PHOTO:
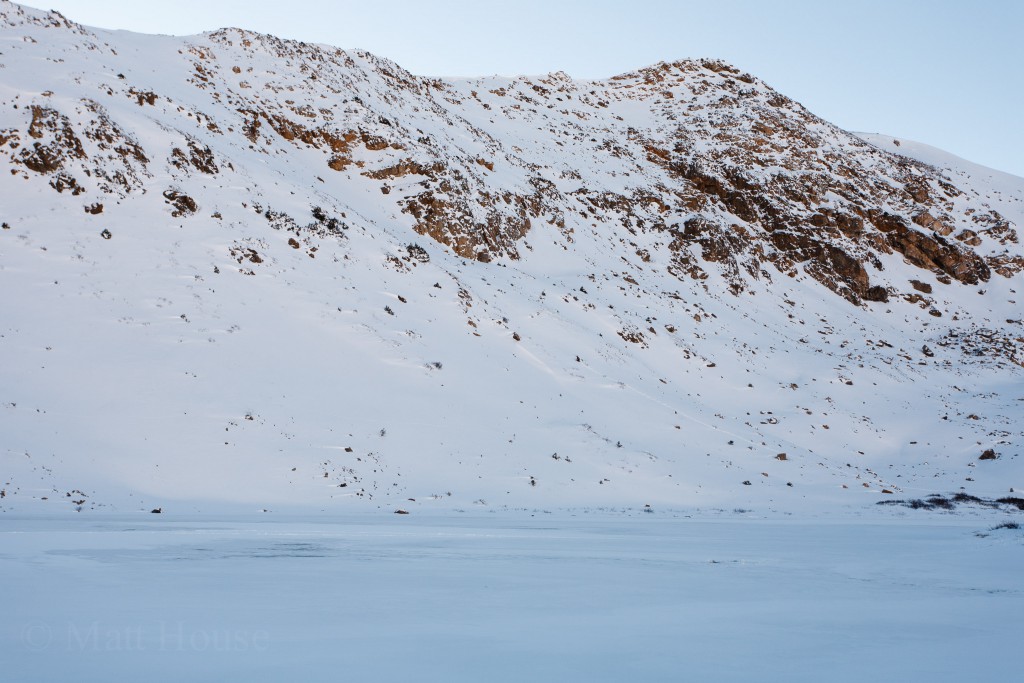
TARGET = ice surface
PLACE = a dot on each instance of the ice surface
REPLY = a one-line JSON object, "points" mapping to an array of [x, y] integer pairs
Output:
{"points": [[591, 596]]}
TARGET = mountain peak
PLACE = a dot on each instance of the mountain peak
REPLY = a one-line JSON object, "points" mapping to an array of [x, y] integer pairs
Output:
{"points": [[304, 273], [14, 15]]}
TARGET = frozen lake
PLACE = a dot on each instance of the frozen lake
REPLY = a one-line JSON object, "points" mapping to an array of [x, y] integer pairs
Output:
{"points": [[510, 596]]}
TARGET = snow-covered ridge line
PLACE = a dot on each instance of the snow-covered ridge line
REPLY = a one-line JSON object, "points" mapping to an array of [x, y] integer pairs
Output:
{"points": [[300, 274]]}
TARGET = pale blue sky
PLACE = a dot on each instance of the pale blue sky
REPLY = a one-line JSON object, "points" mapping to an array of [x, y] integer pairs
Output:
{"points": [[944, 72]]}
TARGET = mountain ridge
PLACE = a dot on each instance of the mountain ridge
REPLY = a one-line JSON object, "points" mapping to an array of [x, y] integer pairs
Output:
{"points": [[656, 206]]}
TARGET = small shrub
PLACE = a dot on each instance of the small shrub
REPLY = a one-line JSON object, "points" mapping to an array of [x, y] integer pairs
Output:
{"points": [[966, 498], [940, 502], [418, 253]]}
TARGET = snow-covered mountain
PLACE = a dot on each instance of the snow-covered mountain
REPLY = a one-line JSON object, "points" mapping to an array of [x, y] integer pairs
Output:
{"points": [[239, 269]]}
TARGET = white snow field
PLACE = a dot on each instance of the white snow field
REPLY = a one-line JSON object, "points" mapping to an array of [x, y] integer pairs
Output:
{"points": [[591, 596], [280, 290], [157, 355]]}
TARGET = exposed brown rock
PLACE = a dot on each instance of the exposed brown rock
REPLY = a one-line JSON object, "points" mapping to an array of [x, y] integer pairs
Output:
{"points": [[182, 203], [921, 286], [454, 223], [733, 177], [1006, 265], [969, 237], [143, 97], [63, 143], [918, 191], [929, 222], [404, 168], [199, 157], [930, 252], [64, 181], [633, 336]]}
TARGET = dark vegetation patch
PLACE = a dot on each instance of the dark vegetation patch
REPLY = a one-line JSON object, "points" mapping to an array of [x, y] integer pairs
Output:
{"points": [[939, 502], [326, 222]]}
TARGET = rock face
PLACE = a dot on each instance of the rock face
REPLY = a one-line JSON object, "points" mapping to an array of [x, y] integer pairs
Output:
{"points": [[727, 173]]}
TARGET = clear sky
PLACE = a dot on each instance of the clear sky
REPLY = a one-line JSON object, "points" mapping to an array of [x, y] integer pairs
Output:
{"points": [[949, 73]]}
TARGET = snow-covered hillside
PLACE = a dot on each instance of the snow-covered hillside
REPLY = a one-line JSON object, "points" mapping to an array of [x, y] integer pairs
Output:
{"points": [[238, 269]]}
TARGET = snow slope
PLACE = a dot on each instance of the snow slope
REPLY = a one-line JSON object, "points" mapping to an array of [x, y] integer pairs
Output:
{"points": [[1005, 188], [244, 271]]}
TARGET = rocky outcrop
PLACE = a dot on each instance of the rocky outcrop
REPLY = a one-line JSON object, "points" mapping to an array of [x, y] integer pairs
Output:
{"points": [[729, 180], [933, 252]]}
